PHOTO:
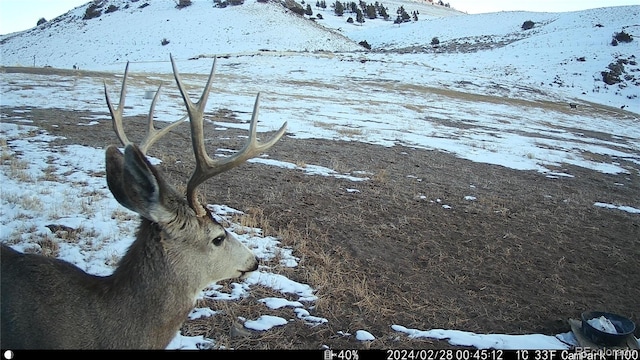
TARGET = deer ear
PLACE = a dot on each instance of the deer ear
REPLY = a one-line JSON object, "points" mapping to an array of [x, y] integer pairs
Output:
{"points": [[136, 184], [115, 169]]}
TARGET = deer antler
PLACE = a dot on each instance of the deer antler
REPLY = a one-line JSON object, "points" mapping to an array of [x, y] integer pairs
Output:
{"points": [[153, 134], [205, 166]]}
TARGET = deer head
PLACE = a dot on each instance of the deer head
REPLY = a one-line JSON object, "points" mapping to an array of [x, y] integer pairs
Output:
{"points": [[138, 186]]}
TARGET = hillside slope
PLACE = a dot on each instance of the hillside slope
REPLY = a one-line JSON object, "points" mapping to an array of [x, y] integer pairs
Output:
{"points": [[136, 34], [563, 52]]}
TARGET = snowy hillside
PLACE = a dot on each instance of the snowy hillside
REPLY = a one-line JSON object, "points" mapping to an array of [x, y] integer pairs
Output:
{"points": [[136, 34], [566, 51], [563, 52], [136, 31]]}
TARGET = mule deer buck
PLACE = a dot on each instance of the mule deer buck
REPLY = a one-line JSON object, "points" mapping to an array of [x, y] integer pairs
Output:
{"points": [[179, 249]]}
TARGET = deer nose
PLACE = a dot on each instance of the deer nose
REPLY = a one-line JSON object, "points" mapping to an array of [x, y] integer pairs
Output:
{"points": [[255, 264]]}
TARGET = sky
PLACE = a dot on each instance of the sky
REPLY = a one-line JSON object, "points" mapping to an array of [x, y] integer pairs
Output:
{"points": [[479, 6], [18, 15]]}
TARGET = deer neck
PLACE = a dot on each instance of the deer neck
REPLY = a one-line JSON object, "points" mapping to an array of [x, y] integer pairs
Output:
{"points": [[147, 282]]}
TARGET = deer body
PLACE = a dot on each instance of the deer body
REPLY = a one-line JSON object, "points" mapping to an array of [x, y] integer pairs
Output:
{"points": [[179, 249], [34, 318]]}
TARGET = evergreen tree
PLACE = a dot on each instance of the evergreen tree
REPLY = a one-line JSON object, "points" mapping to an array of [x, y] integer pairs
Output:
{"points": [[338, 8], [371, 11], [359, 16], [403, 16], [382, 11], [308, 11]]}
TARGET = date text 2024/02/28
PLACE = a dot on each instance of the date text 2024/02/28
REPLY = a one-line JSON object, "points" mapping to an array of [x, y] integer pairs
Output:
{"points": [[483, 354]]}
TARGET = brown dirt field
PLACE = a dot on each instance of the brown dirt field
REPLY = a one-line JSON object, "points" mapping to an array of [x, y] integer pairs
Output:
{"points": [[527, 255]]}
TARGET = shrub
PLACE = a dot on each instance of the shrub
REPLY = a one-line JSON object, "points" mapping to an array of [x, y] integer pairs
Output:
{"points": [[623, 37], [435, 41], [609, 78], [365, 44], [527, 25], [616, 69], [183, 4], [93, 11], [164, 42], [41, 21], [293, 6], [110, 9], [298, 10]]}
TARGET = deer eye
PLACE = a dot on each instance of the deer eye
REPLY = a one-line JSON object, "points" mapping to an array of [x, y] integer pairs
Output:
{"points": [[218, 240]]}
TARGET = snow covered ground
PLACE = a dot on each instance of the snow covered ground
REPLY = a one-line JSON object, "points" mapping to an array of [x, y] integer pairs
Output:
{"points": [[505, 106]]}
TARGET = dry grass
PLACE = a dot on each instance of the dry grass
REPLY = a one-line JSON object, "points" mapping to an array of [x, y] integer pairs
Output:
{"points": [[253, 218], [48, 247], [323, 125], [350, 131], [18, 169], [380, 176], [28, 202], [123, 216], [5, 153], [49, 174]]}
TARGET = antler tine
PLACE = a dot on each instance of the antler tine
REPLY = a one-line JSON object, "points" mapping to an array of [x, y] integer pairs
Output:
{"points": [[205, 166], [153, 134], [116, 114]]}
